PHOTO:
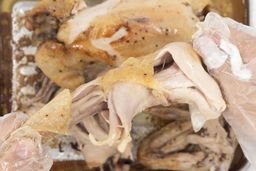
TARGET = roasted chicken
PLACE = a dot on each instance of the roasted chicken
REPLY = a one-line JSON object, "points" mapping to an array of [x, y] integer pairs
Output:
{"points": [[138, 57], [104, 35]]}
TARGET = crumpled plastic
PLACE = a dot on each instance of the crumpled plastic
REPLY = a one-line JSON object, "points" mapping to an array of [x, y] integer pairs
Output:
{"points": [[228, 50], [20, 146]]}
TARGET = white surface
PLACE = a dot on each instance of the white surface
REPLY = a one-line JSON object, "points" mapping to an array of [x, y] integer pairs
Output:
{"points": [[252, 13]]}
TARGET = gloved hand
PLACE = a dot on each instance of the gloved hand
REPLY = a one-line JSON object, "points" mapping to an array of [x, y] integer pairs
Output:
{"points": [[228, 50], [20, 146]]}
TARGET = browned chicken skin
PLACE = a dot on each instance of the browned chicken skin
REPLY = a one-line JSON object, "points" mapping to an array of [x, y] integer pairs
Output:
{"points": [[68, 68], [126, 29], [110, 32]]}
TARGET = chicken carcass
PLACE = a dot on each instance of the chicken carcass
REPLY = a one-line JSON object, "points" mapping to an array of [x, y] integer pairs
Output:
{"points": [[177, 147], [228, 52], [20, 146], [104, 35], [134, 86]]}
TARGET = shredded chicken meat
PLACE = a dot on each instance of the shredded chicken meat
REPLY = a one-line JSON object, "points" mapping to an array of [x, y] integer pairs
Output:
{"points": [[122, 93]]}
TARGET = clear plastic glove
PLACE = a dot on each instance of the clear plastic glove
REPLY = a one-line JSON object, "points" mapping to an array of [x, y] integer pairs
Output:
{"points": [[228, 50], [20, 146]]}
